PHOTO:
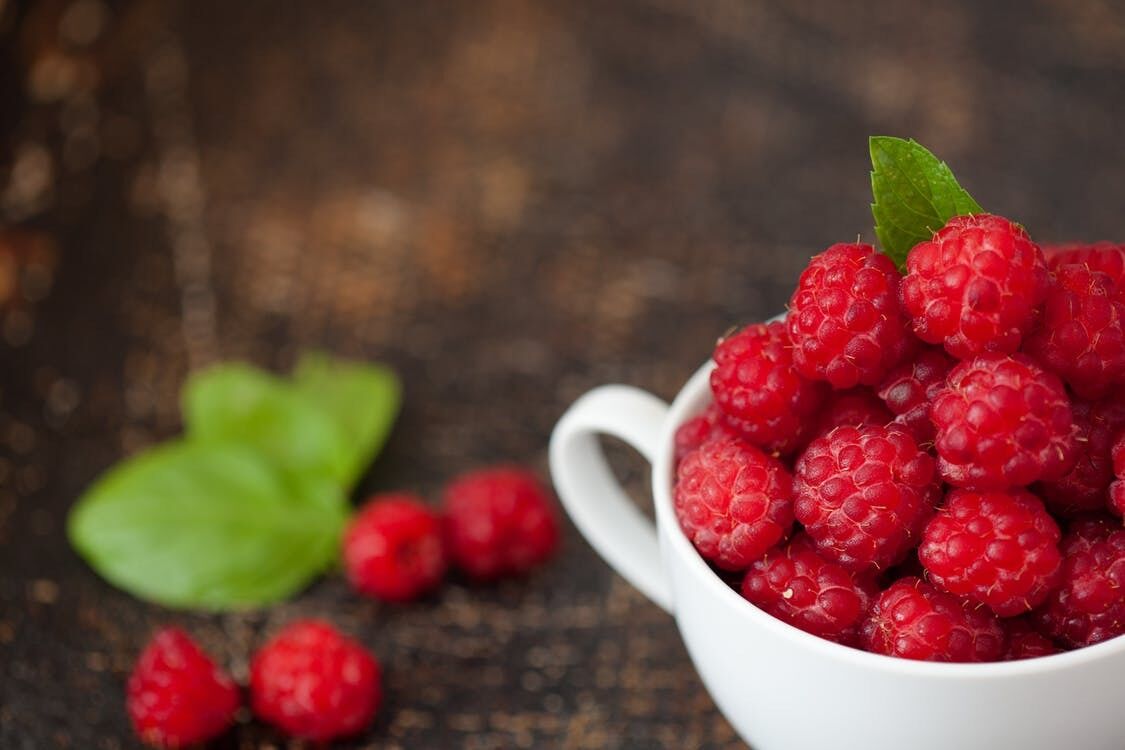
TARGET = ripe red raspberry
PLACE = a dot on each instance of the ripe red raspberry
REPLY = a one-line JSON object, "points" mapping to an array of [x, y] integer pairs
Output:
{"points": [[798, 586], [858, 407], [1089, 606], [762, 395], [499, 522], [910, 388], [1117, 487], [1000, 549], [176, 696], [844, 318], [393, 548], [1106, 257], [1024, 642], [1080, 335], [733, 502], [698, 430], [913, 620], [975, 286], [314, 683], [1002, 421], [1084, 487], [864, 495]]}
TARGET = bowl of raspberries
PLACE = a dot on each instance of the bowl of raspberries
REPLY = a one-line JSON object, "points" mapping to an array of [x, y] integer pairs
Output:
{"points": [[892, 516]]}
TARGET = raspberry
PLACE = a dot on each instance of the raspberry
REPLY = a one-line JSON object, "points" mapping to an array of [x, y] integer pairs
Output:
{"points": [[975, 286], [176, 696], [499, 522], [314, 683], [913, 620], [844, 318], [698, 430], [1081, 332], [1084, 487], [910, 388], [855, 408], [864, 494], [1099, 256], [1024, 642], [1117, 487], [762, 395], [1000, 549], [733, 502], [798, 586], [393, 548], [1002, 421], [1089, 606]]}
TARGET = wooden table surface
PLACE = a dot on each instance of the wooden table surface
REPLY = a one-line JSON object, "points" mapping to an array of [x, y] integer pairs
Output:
{"points": [[510, 203]]}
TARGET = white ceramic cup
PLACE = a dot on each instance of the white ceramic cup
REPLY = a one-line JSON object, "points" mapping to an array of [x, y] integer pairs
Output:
{"points": [[784, 689]]}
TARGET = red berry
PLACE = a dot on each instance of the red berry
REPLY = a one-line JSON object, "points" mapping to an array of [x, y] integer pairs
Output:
{"points": [[733, 502], [1084, 487], [910, 388], [1025, 642], [913, 620], [864, 495], [176, 696], [762, 395], [314, 683], [698, 430], [1000, 549], [975, 286], [1089, 606], [1106, 257], [858, 407], [1081, 332], [393, 548], [499, 522], [1117, 487], [1002, 421], [798, 586], [844, 318]]}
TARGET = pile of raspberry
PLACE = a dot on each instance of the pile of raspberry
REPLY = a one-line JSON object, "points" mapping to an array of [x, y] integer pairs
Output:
{"points": [[929, 464]]}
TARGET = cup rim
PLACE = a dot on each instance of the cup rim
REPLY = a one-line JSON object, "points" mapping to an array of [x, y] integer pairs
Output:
{"points": [[691, 400]]}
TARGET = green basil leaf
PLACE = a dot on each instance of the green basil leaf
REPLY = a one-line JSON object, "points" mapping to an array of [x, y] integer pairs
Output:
{"points": [[362, 399], [914, 195], [239, 403], [207, 525]]}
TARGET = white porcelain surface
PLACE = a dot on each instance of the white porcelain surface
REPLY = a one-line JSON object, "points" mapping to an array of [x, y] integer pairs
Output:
{"points": [[783, 689]]}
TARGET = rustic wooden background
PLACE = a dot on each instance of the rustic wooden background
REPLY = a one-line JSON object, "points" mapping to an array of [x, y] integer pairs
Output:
{"points": [[510, 202]]}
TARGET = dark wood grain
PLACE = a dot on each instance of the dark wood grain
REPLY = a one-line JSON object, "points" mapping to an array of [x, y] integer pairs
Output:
{"points": [[509, 202]]}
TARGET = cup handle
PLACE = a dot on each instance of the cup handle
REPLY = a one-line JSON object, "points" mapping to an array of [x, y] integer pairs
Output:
{"points": [[591, 494]]}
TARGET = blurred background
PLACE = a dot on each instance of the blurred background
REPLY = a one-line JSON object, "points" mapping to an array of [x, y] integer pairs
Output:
{"points": [[509, 202]]}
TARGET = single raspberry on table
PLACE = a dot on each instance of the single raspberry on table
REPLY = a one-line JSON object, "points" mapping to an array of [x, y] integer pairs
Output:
{"points": [[909, 389], [858, 407], [1117, 486], [763, 396], [1107, 257], [499, 522], [1025, 642], [314, 683], [1089, 606], [913, 620], [975, 286], [393, 548], [1085, 486], [798, 586], [1002, 421], [1080, 335], [864, 494], [699, 429], [845, 320], [999, 548], [176, 696], [733, 502]]}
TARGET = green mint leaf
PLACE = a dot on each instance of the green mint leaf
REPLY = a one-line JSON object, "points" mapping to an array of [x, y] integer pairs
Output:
{"points": [[915, 194], [205, 525], [362, 399], [241, 404]]}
